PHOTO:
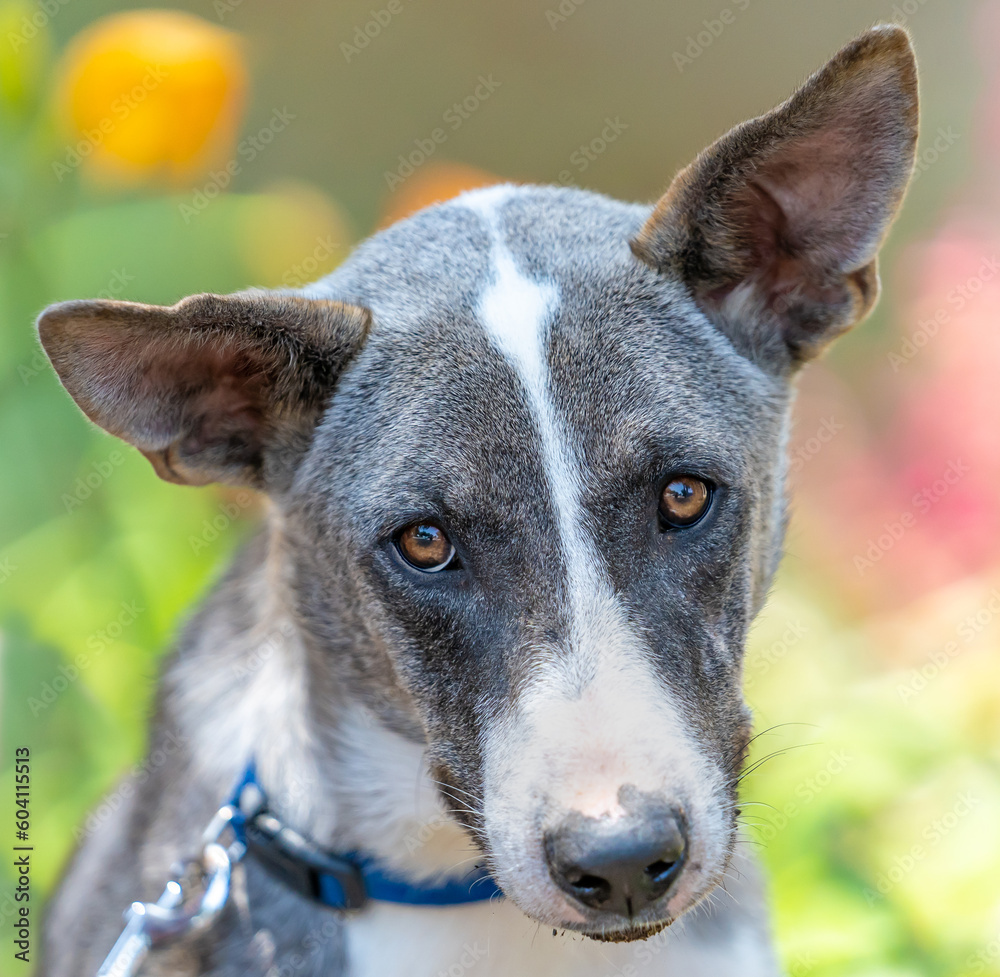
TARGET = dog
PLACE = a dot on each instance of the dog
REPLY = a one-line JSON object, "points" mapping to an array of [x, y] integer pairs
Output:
{"points": [[524, 457]]}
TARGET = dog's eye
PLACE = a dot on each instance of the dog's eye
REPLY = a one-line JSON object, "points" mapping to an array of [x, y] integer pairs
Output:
{"points": [[425, 547], [684, 500]]}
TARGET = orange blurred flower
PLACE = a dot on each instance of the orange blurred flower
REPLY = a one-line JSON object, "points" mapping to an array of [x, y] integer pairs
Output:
{"points": [[151, 95], [432, 184]]}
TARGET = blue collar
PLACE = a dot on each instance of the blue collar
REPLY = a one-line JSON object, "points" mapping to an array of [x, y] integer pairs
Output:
{"points": [[342, 880]]}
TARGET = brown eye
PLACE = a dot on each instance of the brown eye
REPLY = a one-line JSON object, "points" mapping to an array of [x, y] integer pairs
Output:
{"points": [[425, 546], [684, 500]]}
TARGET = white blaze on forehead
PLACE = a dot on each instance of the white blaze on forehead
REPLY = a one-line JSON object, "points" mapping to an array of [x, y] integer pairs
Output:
{"points": [[516, 312]]}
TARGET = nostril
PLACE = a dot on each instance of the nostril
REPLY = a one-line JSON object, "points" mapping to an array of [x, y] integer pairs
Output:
{"points": [[661, 871], [591, 888]]}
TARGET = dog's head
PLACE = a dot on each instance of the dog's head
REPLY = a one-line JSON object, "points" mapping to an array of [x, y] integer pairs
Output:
{"points": [[528, 451]]}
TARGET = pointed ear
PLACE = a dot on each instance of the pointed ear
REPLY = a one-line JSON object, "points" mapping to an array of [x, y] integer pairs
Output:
{"points": [[776, 226], [216, 388]]}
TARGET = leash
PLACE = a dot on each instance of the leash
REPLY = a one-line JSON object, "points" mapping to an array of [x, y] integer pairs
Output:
{"points": [[340, 882]]}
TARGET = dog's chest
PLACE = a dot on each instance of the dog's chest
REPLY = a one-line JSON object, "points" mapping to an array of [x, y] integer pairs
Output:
{"points": [[496, 940]]}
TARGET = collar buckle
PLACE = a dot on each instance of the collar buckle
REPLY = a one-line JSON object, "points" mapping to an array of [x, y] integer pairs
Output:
{"points": [[304, 866]]}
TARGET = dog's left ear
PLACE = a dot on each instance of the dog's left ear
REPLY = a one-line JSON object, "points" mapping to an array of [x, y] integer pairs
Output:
{"points": [[776, 226], [217, 388]]}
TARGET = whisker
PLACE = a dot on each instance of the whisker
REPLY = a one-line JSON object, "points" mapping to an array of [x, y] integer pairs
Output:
{"points": [[757, 804], [771, 729], [453, 787], [757, 764], [751, 819]]}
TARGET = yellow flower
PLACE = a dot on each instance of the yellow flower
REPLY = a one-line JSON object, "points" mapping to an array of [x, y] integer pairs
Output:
{"points": [[152, 95], [290, 234]]}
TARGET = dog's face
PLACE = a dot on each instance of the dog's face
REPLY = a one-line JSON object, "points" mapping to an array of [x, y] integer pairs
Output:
{"points": [[529, 446], [554, 488]]}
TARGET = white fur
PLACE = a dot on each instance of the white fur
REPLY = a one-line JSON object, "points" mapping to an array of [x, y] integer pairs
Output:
{"points": [[257, 707], [394, 810]]}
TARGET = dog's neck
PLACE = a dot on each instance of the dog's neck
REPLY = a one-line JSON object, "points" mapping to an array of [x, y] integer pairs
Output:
{"points": [[243, 690]]}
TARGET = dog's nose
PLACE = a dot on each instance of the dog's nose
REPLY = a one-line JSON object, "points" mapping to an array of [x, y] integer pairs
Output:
{"points": [[617, 865]]}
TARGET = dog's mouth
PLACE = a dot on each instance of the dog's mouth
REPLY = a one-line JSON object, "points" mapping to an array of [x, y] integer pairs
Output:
{"points": [[628, 933]]}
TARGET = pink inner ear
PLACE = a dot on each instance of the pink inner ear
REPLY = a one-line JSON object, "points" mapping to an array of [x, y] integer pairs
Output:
{"points": [[218, 391], [154, 387], [808, 215], [809, 183], [817, 191], [225, 410]]}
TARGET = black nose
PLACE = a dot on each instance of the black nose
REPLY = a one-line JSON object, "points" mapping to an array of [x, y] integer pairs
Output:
{"points": [[618, 865]]}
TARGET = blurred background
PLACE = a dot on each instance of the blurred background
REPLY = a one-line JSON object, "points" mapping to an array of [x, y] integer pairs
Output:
{"points": [[148, 154]]}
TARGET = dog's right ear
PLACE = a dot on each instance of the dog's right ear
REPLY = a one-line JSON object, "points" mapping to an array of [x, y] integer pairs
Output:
{"points": [[215, 388], [775, 227]]}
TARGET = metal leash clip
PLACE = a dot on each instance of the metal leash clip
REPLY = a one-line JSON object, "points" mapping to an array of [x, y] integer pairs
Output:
{"points": [[149, 924]]}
